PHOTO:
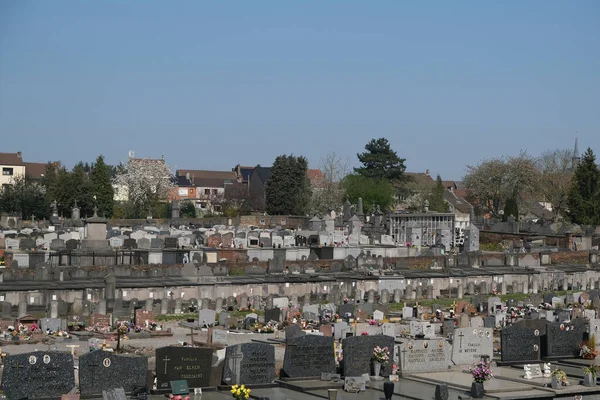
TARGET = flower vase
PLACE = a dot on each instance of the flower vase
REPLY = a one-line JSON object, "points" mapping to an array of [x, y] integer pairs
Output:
{"points": [[388, 390], [477, 390], [376, 369], [589, 380], [555, 383], [332, 394]]}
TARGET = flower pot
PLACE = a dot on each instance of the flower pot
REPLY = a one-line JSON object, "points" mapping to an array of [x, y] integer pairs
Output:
{"points": [[388, 390], [589, 380], [555, 383], [332, 394], [376, 369], [477, 390]]}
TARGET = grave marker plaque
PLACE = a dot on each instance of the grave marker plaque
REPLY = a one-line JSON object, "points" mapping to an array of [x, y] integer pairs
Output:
{"points": [[183, 363], [308, 356], [424, 355], [249, 363]]}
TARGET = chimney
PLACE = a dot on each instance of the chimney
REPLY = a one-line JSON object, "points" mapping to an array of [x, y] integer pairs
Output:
{"points": [[187, 176], [19, 154]]}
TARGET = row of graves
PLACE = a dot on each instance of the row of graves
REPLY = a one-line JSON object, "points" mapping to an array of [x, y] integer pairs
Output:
{"points": [[343, 347]]}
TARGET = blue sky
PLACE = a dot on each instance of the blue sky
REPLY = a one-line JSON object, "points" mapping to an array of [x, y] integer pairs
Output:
{"points": [[214, 84]]}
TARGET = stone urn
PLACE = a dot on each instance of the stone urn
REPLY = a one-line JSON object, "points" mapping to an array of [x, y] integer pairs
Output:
{"points": [[477, 390]]}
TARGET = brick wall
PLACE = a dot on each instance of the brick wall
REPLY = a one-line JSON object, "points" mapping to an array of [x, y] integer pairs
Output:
{"points": [[571, 257], [488, 237]]}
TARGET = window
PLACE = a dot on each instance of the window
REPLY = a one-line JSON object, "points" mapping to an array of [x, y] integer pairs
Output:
{"points": [[214, 192], [7, 171], [207, 192]]}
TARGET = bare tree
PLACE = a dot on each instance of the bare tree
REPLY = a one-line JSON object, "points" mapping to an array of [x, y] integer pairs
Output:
{"points": [[556, 174], [328, 193], [493, 181]]}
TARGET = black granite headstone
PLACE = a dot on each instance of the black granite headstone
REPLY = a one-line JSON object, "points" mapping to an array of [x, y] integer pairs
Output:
{"points": [[37, 375], [273, 314], [358, 352], [308, 356], [103, 370], [292, 331], [520, 343], [249, 364], [563, 339], [179, 363], [344, 309]]}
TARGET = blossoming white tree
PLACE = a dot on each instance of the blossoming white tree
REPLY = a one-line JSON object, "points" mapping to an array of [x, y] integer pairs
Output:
{"points": [[145, 181]]}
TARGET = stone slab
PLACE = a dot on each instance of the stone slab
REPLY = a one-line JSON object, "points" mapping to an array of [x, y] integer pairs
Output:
{"points": [[103, 370]]}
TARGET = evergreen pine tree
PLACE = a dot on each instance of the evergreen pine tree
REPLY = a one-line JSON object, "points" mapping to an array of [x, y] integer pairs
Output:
{"points": [[584, 195], [101, 186]]}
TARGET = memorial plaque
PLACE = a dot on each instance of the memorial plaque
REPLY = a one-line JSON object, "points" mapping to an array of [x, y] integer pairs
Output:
{"points": [[219, 336], [520, 343], [471, 343], [183, 363], [104, 370], [40, 374], [308, 356], [424, 355], [179, 387], [114, 394], [358, 354], [249, 364]]}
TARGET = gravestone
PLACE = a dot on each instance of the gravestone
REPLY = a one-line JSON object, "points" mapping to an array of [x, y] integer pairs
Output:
{"points": [[249, 364], [520, 343], [103, 370], [207, 317], [273, 314], [53, 324], [293, 331], [183, 363], [308, 356], [472, 343], [358, 352], [223, 316], [39, 374], [424, 356], [563, 339], [346, 309], [219, 336]]}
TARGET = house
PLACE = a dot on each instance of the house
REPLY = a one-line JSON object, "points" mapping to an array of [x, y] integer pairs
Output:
{"points": [[316, 178], [35, 171], [243, 173], [257, 185], [12, 166], [205, 188]]}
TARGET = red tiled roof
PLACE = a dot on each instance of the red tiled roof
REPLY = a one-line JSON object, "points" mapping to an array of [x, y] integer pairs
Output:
{"points": [[34, 170], [11, 159]]}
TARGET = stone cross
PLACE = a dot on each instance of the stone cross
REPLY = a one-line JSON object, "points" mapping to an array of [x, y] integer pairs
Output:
{"points": [[18, 366], [166, 360], [72, 347], [237, 356], [461, 336]]}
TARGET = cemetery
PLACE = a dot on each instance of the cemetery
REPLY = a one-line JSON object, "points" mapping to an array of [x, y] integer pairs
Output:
{"points": [[312, 312]]}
